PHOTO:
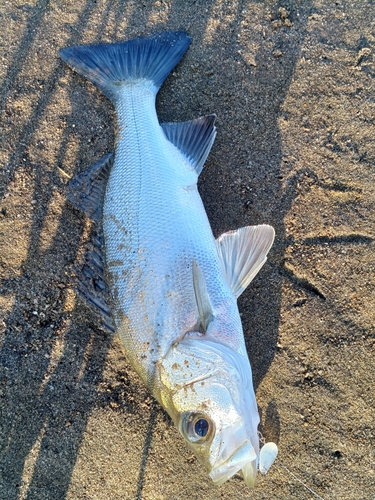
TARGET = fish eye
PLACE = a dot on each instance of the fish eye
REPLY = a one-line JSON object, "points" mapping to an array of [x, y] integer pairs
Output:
{"points": [[197, 427], [201, 427]]}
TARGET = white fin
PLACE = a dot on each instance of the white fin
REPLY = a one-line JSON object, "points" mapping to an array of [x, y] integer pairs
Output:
{"points": [[201, 297], [243, 253], [267, 456]]}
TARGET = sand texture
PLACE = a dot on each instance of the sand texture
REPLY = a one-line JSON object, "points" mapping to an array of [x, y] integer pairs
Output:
{"points": [[292, 84]]}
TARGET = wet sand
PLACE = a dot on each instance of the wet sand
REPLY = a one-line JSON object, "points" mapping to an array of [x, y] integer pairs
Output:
{"points": [[292, 84]]}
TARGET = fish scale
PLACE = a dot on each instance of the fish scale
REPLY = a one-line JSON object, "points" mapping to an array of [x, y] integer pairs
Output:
{"points": [[173, 287], [151, 195]]}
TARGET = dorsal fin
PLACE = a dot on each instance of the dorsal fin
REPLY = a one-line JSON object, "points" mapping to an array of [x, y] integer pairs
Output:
{"points": [[91, 283], [193, 138], [86, 190], [243, 253], [202, 298]]}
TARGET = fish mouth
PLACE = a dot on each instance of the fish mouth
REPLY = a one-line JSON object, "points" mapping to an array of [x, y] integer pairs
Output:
{"points": [[239, 459]]}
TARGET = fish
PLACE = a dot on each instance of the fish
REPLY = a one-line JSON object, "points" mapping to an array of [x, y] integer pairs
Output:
{"points": [[156, 273]]}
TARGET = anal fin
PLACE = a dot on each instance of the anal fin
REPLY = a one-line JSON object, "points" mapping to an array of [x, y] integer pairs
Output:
{"points": [[194, 139]]}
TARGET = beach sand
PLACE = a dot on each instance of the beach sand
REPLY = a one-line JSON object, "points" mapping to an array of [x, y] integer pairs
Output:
{"points": [[292, 84]]}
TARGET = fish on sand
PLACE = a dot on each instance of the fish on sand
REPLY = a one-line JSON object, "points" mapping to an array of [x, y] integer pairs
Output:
{"points": [[157, 274]]}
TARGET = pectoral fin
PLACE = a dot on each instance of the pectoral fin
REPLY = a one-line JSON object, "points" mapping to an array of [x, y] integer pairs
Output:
{"points": [[202, 298], [243, 253]]}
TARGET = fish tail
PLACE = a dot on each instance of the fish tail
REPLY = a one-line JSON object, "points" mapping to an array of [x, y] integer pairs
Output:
{"points": [[111, 66]]}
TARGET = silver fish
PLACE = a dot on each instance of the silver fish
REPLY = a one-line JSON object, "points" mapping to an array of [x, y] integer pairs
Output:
{"points": [[173, 287]]}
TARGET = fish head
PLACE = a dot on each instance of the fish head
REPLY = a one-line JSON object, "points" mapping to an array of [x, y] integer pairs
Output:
{"points": [[207, 389]]}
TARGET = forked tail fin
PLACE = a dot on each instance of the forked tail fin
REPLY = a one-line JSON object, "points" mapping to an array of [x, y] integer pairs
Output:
{"points": [[110, 66]]}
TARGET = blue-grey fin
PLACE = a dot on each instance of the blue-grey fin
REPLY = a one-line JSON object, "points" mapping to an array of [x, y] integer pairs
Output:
{"points": [[193, 138], [109, 66], [243, 253], [201, 296], [91, 284], [86, 190]]}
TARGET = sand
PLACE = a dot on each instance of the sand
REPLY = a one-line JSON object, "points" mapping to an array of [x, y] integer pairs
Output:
{"points": [[292, 84]]}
